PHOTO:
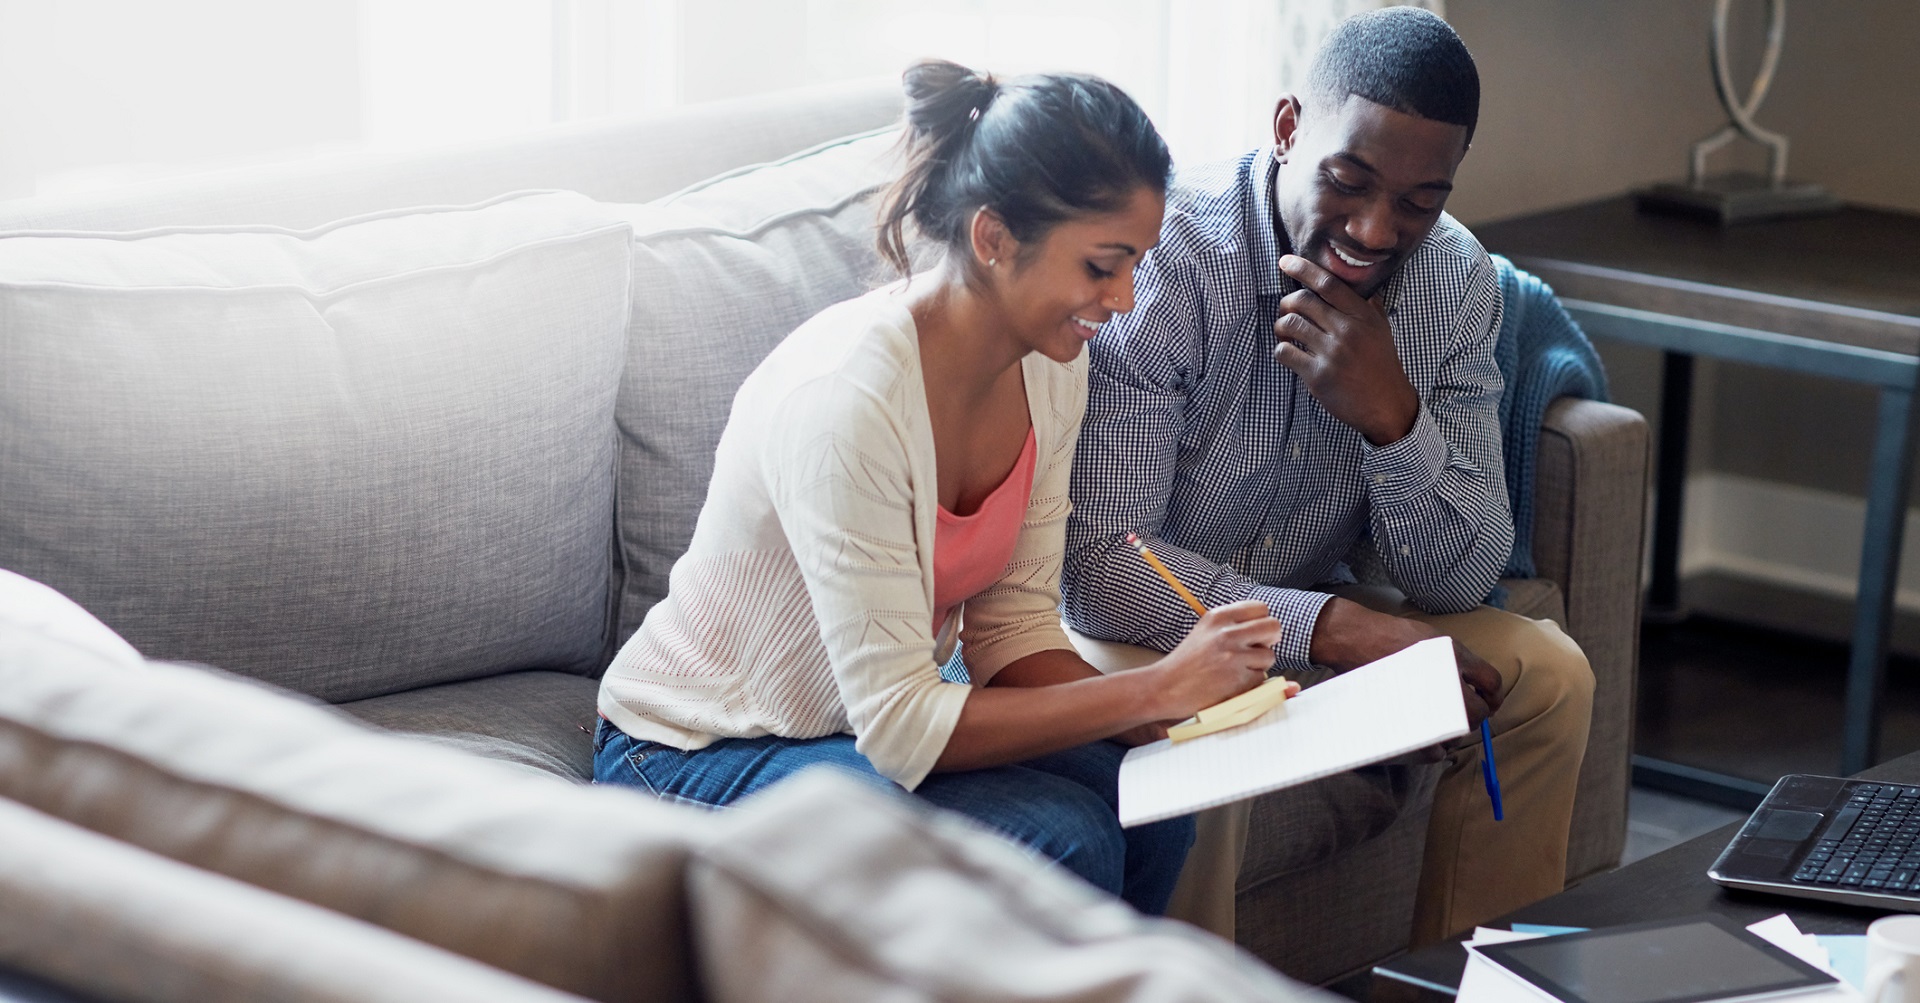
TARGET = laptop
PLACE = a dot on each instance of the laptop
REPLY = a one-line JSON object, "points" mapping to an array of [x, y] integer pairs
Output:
{"points": [[1829, 838]]}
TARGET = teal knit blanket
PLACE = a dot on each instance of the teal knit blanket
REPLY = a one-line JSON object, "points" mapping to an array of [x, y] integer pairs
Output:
{"points": [[1542, 355]]}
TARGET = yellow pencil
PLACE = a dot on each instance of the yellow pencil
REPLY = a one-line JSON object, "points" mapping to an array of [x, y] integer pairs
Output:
{"points": [[1133, 539]]}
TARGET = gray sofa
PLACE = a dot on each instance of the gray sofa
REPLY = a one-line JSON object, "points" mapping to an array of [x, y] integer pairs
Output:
{"points": [[449, 546]]}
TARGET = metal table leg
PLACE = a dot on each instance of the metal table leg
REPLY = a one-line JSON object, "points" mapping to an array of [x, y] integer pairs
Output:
{"points": [[1676, 417], [1879, 578], [1663, 591]]}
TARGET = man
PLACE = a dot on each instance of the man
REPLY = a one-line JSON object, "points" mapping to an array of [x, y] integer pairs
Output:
{"points": [[1309, 367]]}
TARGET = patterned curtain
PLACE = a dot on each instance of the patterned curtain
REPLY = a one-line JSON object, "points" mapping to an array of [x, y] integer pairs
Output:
{"points": [[1229, 59]]}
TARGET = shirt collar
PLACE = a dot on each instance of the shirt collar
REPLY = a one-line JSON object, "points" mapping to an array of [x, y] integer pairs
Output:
{"points": [[1268, 279]]}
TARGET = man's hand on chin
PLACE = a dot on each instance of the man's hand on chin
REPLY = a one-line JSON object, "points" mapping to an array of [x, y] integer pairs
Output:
{"points": [[1348, 635], [1341, 347]]}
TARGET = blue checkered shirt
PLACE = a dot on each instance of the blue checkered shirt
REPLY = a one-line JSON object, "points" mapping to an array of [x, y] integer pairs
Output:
{"points": [[1236, 476]]}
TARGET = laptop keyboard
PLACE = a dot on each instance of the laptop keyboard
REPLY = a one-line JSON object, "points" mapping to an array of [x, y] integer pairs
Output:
{"points": [[1873, 844]]}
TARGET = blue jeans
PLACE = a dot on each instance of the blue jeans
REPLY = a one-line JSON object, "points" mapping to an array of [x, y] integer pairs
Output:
{"points": [[1064, 805]]}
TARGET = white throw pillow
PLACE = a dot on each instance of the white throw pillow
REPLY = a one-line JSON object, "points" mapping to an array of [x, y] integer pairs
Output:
{"points": [[28, 606], [115, 922], [822, 888], [577, 887]]}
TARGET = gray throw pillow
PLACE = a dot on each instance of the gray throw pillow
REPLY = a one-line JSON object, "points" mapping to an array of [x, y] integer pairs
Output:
{"points": [[351, 460], [721, 273]]}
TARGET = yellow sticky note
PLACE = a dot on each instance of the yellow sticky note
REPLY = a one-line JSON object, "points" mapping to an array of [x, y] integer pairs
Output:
{"points": [[1246, 707]]}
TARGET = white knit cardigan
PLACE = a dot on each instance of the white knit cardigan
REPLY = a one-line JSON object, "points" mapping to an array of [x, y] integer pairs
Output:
{"points": [[804, 606]]}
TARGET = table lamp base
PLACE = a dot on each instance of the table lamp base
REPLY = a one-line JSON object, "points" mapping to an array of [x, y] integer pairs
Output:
{"points": [[1738, 197]]}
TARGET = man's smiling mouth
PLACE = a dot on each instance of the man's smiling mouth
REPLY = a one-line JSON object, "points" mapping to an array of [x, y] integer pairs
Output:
{"points": [[1350, 259]]}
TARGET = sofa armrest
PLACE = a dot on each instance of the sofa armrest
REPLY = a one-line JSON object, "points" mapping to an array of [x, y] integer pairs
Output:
{"points": [[1590, 498]]}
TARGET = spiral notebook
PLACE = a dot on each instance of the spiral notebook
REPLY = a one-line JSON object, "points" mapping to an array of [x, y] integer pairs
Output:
{"points": [[1408, 700]]}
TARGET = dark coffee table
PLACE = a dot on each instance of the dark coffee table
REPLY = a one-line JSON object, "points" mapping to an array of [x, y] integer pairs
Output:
{"points": [[1667, 884]]}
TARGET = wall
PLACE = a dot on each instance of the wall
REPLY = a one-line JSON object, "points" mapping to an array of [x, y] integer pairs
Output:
{"points": [[1584, 100]]}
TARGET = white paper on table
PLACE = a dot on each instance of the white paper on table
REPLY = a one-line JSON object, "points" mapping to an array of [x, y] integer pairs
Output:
{"points": [[1781, 932], [1491, 935], [1485, 982], [1408, 700]]}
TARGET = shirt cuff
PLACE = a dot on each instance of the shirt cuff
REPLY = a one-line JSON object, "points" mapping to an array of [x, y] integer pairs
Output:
{"points": [[1407, 468], [1297, 610]]}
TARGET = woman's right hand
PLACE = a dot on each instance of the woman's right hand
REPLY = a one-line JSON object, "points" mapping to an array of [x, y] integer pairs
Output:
{"points": [[1228, 653]]}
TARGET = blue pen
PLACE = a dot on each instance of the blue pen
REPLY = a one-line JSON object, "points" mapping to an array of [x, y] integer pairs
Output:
{"points": [[1487, 771]]}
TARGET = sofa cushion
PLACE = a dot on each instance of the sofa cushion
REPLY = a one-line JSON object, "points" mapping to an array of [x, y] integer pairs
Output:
{"points": [[1539, 598], [824, 889], [1307, 825], [543, 720], [581, 888], [721, 273], [1319, 923], [98, 915], [350, 460]]}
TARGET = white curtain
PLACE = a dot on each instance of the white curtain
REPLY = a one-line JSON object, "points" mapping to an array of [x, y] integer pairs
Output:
{"points": [[112, 91], [1207, 70]]}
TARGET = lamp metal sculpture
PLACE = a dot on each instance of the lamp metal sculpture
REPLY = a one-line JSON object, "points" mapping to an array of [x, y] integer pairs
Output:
{"points": [[1739, 196]]}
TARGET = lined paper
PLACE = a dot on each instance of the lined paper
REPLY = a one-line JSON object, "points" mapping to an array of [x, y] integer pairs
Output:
{"points": [[1405, 701]]}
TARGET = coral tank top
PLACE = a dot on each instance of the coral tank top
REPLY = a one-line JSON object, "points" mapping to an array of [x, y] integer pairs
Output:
{"points": [[970, 552]]}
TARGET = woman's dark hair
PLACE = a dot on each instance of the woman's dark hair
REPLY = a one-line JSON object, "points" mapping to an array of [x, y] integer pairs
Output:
{"points": [[1036, 150]]}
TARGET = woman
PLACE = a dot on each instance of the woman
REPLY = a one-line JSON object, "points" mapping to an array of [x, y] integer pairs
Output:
{"points": [[893, 479]]}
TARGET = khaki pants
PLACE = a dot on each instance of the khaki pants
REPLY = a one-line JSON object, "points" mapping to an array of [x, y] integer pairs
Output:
{"points": [[1474, 868]]}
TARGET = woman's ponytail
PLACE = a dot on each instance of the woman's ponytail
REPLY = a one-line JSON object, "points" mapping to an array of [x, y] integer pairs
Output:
{"points": [[945, 99], [944, 104]]}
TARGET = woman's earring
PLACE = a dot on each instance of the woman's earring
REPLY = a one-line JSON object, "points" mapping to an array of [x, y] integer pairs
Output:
{"points": [[992, 262]]}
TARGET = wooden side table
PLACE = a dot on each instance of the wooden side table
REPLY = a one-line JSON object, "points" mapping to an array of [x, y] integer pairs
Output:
{"points": [[1835, 295]]}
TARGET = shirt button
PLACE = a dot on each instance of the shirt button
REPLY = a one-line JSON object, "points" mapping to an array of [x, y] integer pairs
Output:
{"points": [[1379, 478], [1405, 550], [1268, 542], [1294, 450]]}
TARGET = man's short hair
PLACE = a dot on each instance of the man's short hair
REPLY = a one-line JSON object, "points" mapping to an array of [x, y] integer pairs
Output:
{"points": [[1404, 58]]}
